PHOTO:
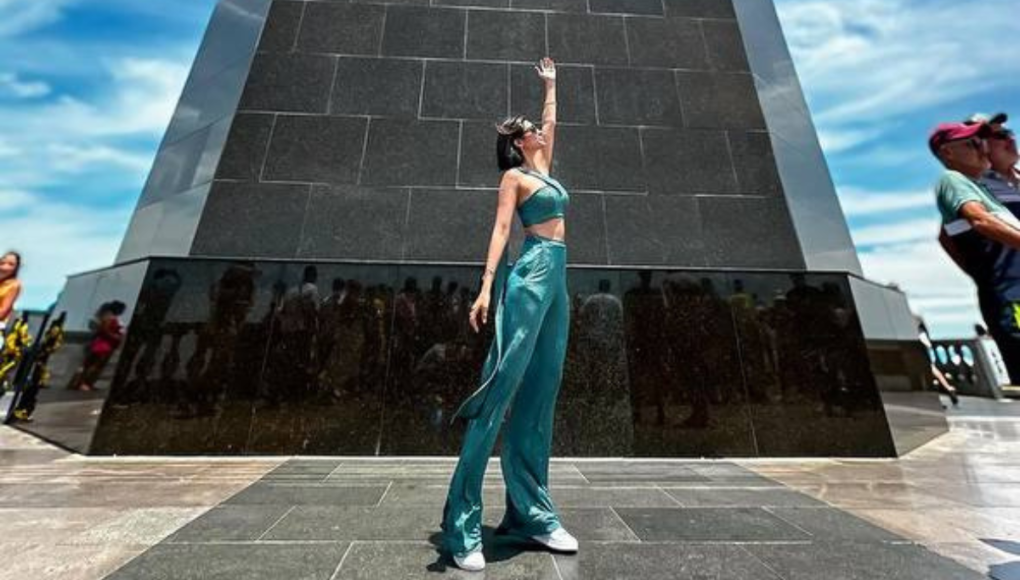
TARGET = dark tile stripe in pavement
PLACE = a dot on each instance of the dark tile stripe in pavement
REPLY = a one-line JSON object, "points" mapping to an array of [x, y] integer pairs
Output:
{"points": [[260, 493], [756, 497], [709, 525], [662, 562], [844, 560], [328, 519], [233, 561]]}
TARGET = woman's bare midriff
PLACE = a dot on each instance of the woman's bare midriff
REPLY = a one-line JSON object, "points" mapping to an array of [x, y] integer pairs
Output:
{"points": [[554, 229]]}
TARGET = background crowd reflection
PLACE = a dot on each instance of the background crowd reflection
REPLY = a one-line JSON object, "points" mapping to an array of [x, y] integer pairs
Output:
{"points": [[363, 359]]}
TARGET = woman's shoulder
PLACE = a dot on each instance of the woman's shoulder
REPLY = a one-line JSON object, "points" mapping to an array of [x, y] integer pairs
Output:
{"points": [[511, 177], [11, 285]]}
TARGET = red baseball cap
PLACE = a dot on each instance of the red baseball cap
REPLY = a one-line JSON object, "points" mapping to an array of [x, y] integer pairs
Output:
{"points": [[949, 132]]}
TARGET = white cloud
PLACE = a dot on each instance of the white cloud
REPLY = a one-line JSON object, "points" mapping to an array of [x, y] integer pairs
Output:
{"points": [[76, 159], [859, 202], [13, 86], [898, 232], [871, 63], [935, 287], [66, 145], [142, 98], [21, 16], [56, 239]]}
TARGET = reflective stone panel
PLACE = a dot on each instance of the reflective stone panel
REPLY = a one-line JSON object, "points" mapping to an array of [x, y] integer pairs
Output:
{"points": [[328, 358], [66, 392], [189, 367], [806, 367], [320, 389], [687, 392]]}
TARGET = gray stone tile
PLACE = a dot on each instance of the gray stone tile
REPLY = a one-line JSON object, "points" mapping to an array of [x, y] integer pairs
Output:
{"points": [[700, 8], [725, 471], [575, 93], [653, 230], [450, 225], [615, 497], [754, 162], [386, 561], [424, 32], [596, 525], [825, 523], [478, 166], [249, 219], [405, 152], [245, 149], [400, 2], [280, 32], [725, 45], [735, 228], [222, 562], [498, 35], [387, 87], [586, 238], [553, 5], [355, 222], [342, 28], [637, 97], [291, 82], [670, 43], [661, 562], [465, 90], [684, 162], [315, 149], [474, 3], [843, 560], [434, 494], [300, 467], [757, 497], [709, 525], [635, 472], [230, 524], [261, 494], [333, 523], [626, 7], [599, 158], [585, 39], [720, 100]]}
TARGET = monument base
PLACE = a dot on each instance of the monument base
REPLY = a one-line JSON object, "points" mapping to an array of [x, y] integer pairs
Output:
{"points": [[331, 358]]}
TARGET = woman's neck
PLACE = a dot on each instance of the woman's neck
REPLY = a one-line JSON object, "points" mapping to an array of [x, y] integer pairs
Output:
{"points": [[529, 164]]}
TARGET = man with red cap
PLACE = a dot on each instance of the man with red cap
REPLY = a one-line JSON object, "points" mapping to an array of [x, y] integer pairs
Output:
{"points": [[980, 232]]}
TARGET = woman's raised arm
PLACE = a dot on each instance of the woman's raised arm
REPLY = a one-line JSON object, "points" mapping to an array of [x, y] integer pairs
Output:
{"points": [[546, 69]]}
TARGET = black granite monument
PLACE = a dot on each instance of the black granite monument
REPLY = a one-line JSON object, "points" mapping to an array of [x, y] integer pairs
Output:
{"points": [[300, 264]]}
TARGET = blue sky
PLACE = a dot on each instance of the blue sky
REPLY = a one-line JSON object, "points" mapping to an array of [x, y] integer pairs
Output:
{"points": [[88, 86]]}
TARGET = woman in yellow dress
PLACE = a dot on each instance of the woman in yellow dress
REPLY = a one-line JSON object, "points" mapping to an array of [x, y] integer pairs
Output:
{"points": [[10, 286]]}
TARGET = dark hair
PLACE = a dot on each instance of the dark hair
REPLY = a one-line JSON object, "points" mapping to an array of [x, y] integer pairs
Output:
{"points": [[508, 154], [17, 267]]}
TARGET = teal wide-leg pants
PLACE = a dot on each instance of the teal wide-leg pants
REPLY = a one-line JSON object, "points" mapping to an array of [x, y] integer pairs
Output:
{"points": [[522, 374]]}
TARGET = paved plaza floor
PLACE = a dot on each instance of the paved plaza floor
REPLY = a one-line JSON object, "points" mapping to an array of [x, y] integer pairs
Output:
{"points": [[950, 510]]}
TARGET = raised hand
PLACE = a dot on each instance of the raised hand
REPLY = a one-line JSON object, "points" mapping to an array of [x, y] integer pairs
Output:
{"points": [[546, 70]]}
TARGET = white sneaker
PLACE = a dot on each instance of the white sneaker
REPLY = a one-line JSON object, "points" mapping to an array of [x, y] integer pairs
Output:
{"points": [[559, 540], [472, 561]]}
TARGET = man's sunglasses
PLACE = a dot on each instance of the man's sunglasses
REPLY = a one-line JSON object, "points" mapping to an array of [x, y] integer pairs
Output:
{"points": [[972, 142], [1002, 135]]}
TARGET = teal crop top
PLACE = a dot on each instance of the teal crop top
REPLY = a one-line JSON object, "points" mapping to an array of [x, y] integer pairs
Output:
{"points": [[547, 202]]}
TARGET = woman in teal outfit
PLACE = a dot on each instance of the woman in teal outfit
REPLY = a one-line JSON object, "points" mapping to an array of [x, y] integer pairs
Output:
{"points": [[525, 363]]}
